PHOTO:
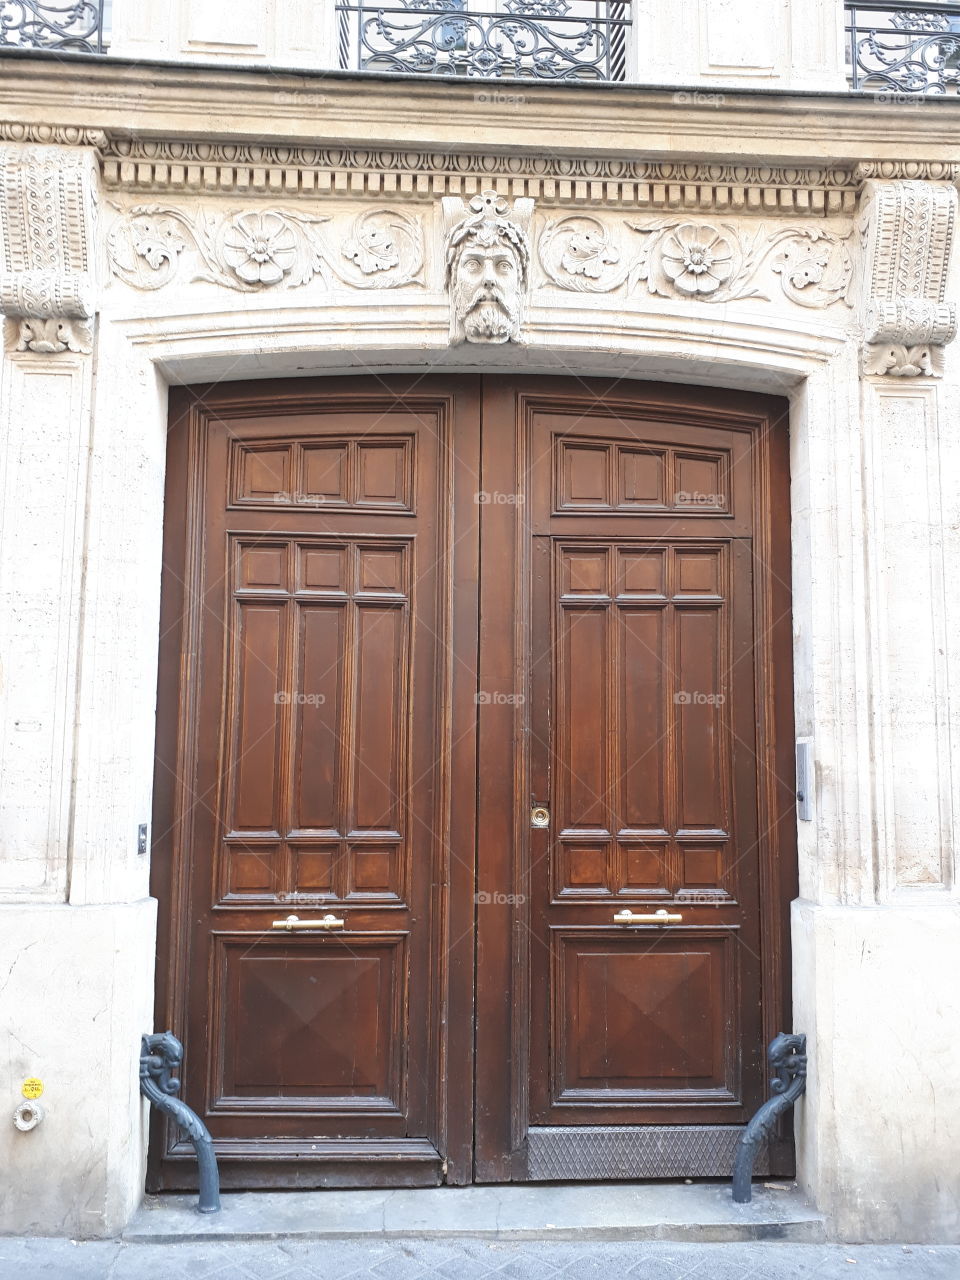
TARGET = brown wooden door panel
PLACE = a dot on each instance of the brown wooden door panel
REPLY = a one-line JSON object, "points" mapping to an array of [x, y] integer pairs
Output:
{"points": [[642, 1020], [321, 530], [355, 721], [633, 623], [295, 1031]]}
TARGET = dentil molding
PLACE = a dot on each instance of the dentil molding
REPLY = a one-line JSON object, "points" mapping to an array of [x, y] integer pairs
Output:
{"points": [[907, 229], [179, 164], [47, 246], [216, 167]]}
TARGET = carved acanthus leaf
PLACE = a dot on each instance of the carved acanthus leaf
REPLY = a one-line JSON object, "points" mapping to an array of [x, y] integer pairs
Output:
{"points": [[48, 337], [899, 361]]}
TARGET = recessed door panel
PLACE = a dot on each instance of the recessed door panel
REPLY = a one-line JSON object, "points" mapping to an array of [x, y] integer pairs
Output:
{"points": [[296, 1025], [642, 1019]]}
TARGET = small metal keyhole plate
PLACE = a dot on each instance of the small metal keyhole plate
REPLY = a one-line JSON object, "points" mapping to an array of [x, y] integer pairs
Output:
{"points": [[539, 816]]}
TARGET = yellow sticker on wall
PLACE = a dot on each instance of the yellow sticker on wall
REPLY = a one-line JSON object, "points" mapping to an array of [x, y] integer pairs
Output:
{"points": [[32, 1088]]}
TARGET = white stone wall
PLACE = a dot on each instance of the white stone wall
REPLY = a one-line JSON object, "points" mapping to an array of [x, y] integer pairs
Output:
{"points": [[277, 33], [875, 519], [717, 43]]}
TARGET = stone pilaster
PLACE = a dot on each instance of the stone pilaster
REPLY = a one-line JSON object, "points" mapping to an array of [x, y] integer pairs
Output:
{"points": [[47, 296]]}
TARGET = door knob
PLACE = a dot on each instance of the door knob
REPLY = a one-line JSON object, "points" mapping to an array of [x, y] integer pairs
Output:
{"points": [[661, 916], [294, 922]]}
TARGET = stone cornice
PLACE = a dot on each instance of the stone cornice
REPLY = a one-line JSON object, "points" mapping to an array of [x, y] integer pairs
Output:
{"points": [[167, 128], [164, 100]]}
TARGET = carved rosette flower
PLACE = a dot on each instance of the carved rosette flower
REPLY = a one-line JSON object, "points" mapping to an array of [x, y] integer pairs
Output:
{"points": [[260, 248], [697, 259]]}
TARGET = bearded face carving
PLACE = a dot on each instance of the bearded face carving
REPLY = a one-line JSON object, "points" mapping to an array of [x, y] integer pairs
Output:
{"points": [[487, 265]]}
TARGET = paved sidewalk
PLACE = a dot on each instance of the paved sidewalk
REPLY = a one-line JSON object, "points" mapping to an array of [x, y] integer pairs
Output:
{"points": [[468, 1259]]}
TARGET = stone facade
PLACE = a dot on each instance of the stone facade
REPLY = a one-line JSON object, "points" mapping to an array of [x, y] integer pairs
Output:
{"points": [[216, 229]]}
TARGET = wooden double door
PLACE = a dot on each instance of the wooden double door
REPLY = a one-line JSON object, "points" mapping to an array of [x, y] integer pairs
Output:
{"points": [[473, 832]]}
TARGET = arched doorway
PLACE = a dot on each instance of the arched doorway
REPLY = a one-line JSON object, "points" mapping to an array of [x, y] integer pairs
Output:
{"points": [[474, 675]]}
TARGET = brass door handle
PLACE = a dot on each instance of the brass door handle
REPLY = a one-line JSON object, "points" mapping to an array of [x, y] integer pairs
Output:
{"points": [[294, 922], [662, 916]]}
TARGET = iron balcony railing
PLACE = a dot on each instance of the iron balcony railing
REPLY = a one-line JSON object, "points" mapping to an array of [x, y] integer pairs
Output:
{"points": [[529, 39], [75, 28], [893, 48]]}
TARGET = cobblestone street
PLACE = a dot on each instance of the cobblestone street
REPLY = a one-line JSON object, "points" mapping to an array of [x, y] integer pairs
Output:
{"points": [[468, 1259]]}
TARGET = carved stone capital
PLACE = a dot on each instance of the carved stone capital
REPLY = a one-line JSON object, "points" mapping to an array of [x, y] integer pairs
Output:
{"points": [[48, 207], [907, 229], [487, 266]]}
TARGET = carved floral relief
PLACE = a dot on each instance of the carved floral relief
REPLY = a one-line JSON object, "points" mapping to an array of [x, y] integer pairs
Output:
{"points": [[150, 245], [705, 262]]}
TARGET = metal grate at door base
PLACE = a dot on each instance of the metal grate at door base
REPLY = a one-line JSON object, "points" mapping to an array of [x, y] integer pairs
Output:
{"points": [[653, 1151]]}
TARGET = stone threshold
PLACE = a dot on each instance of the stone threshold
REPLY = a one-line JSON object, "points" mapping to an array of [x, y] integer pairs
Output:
{"points": [[697, 1212]]}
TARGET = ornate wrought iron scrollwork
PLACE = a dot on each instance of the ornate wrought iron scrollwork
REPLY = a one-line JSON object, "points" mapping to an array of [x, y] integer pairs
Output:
{"points": [[75, 28], [896, 49], [787, 1056], [530, 39], [160, 1056]]}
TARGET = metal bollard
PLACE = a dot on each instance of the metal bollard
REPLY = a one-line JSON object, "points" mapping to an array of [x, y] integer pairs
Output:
{"points": [[787, 1055], [160, 1055]]}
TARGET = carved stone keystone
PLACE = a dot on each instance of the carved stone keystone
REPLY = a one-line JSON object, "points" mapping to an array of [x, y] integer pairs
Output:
{"points": [[487, 266]]}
